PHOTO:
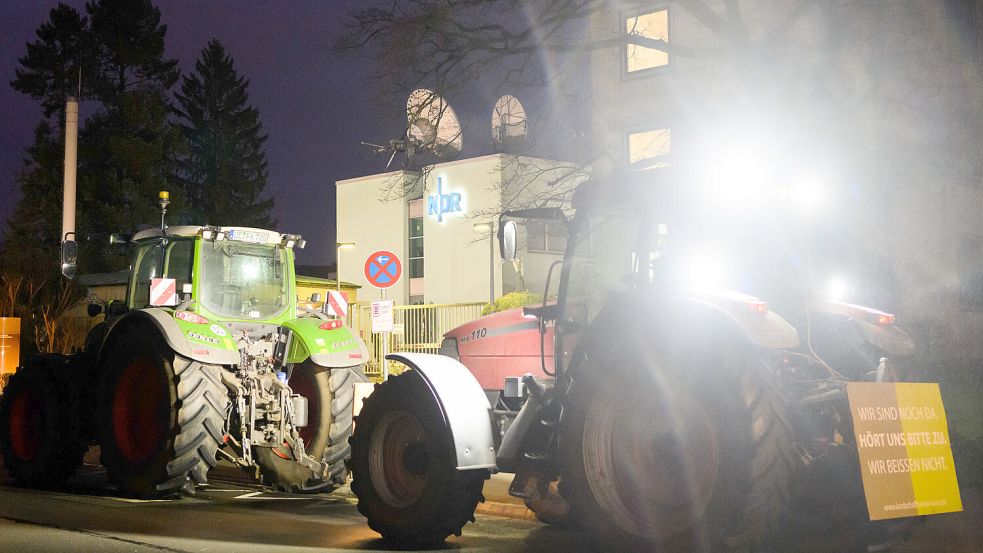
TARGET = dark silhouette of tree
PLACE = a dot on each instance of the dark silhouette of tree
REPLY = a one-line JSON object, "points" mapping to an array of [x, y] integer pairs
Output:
{"points": [[224, 170], [52, 68]]}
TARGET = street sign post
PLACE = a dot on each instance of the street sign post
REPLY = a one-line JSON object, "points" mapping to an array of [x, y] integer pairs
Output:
{"points": [[382, 323], [383, 270]]}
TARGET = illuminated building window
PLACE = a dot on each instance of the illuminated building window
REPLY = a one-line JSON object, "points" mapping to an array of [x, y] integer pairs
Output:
{"points": [[641, 31], [415, 258], [546, 237], [649, 149]]}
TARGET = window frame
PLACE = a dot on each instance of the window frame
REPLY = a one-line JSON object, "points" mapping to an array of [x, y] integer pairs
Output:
{"points": [[623, 49], [626, 144], [410, 258], [546, 237]]}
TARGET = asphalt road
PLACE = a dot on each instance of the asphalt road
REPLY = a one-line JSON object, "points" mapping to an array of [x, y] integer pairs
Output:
{"points": [[231, 514], [226, 515]]}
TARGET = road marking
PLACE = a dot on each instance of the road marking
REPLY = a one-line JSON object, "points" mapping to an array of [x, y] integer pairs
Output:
{"points": [[259, 495]]}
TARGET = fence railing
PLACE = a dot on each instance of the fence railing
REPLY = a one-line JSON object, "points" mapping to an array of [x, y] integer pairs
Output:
{"points": [[419, 328]]}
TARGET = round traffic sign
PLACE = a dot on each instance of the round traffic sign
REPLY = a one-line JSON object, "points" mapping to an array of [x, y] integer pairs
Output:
{"points": [[383, 269]]}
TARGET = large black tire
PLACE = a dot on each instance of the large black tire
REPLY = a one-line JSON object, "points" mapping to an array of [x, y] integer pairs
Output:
{"points": [[330, 394], [404, 470], [39, 437], [686, 452], [161, 416]]}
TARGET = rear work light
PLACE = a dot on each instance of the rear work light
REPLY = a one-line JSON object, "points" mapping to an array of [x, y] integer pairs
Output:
{"points": [[757, 307], [190, 317], [882, 319], [330, 325]]}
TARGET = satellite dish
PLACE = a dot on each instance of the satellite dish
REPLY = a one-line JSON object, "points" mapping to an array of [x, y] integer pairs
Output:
{"points": [[432, 124], [508, 123]]}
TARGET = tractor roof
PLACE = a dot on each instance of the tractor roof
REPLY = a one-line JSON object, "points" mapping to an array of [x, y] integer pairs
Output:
{"points": [[245, 234], [183, 230]]}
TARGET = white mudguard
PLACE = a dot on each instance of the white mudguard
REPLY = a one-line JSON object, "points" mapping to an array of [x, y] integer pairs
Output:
{"points": [[463, 403]]}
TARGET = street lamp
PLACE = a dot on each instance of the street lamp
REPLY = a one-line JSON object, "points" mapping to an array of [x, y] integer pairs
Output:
{"points": [[489, 227], [337, 260]]}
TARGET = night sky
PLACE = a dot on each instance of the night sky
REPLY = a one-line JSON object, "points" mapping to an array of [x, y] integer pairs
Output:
{"points": [[314, 104]]}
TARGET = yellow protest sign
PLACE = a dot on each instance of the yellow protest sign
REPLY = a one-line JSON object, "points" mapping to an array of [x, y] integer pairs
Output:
{"points": [[905, 455]]}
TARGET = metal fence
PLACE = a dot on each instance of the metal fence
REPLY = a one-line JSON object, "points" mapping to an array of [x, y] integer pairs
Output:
{"points": [[418, 328]]}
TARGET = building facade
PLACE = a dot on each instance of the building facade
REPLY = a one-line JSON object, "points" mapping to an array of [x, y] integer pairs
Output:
{"points": [[442, 226]]}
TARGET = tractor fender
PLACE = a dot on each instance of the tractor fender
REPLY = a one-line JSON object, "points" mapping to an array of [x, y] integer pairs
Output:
{"points": [[171, 332], [746, 314], [765, 329], [337, 347], [889, 338], [463, 404]]}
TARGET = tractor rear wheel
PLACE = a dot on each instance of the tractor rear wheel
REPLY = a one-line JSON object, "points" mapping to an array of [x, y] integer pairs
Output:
{"points": [[664, 454], [404, 470], [161, 416], [40, 444], [330, 394]]}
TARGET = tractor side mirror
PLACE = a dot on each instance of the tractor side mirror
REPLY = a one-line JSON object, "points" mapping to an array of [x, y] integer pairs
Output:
{"points": [[69, 258], [506, 240], [316, 297]]}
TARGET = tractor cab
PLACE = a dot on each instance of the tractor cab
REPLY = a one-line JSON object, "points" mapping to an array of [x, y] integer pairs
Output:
{"points": [[229, 273]]}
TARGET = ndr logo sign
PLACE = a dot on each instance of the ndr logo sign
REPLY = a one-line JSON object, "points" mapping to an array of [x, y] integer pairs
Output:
{"points": [[441, 203]]}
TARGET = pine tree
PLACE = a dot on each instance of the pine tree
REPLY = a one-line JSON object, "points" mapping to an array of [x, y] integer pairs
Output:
{"points": [[224, 171], [51, 70]]}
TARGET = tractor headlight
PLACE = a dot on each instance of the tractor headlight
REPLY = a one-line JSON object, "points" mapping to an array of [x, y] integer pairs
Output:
{"points": [[838, 289], [704, 272]]}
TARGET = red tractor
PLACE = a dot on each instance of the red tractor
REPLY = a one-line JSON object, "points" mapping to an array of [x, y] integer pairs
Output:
{"points": [[660, 416]]}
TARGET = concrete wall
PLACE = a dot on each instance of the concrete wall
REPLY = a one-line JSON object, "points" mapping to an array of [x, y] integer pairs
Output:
{"points": [[374, 224], [456, 257]]}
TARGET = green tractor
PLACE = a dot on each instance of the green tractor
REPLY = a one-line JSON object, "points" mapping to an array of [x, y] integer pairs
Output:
{"points": [[208, 357]]}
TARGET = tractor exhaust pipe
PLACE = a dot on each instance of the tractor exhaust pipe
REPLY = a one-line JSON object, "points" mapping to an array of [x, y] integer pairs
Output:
{"points": [[69, 247]]}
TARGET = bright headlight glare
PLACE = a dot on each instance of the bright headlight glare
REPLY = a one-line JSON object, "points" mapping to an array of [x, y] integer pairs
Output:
{"points": [[838, 289], [703, 272], [808, 194]]}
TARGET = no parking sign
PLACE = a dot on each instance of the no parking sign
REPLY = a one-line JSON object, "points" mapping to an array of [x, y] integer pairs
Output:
{"points": [[383, 269]]}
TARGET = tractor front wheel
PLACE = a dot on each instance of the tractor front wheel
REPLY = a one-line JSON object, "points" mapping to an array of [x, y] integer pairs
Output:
{"points": [[330, 394], [40, 445], [403, 468], [161, 417]]}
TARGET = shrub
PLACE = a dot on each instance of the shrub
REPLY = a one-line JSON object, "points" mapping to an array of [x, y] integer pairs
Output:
{"points": [[511, 301]]}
